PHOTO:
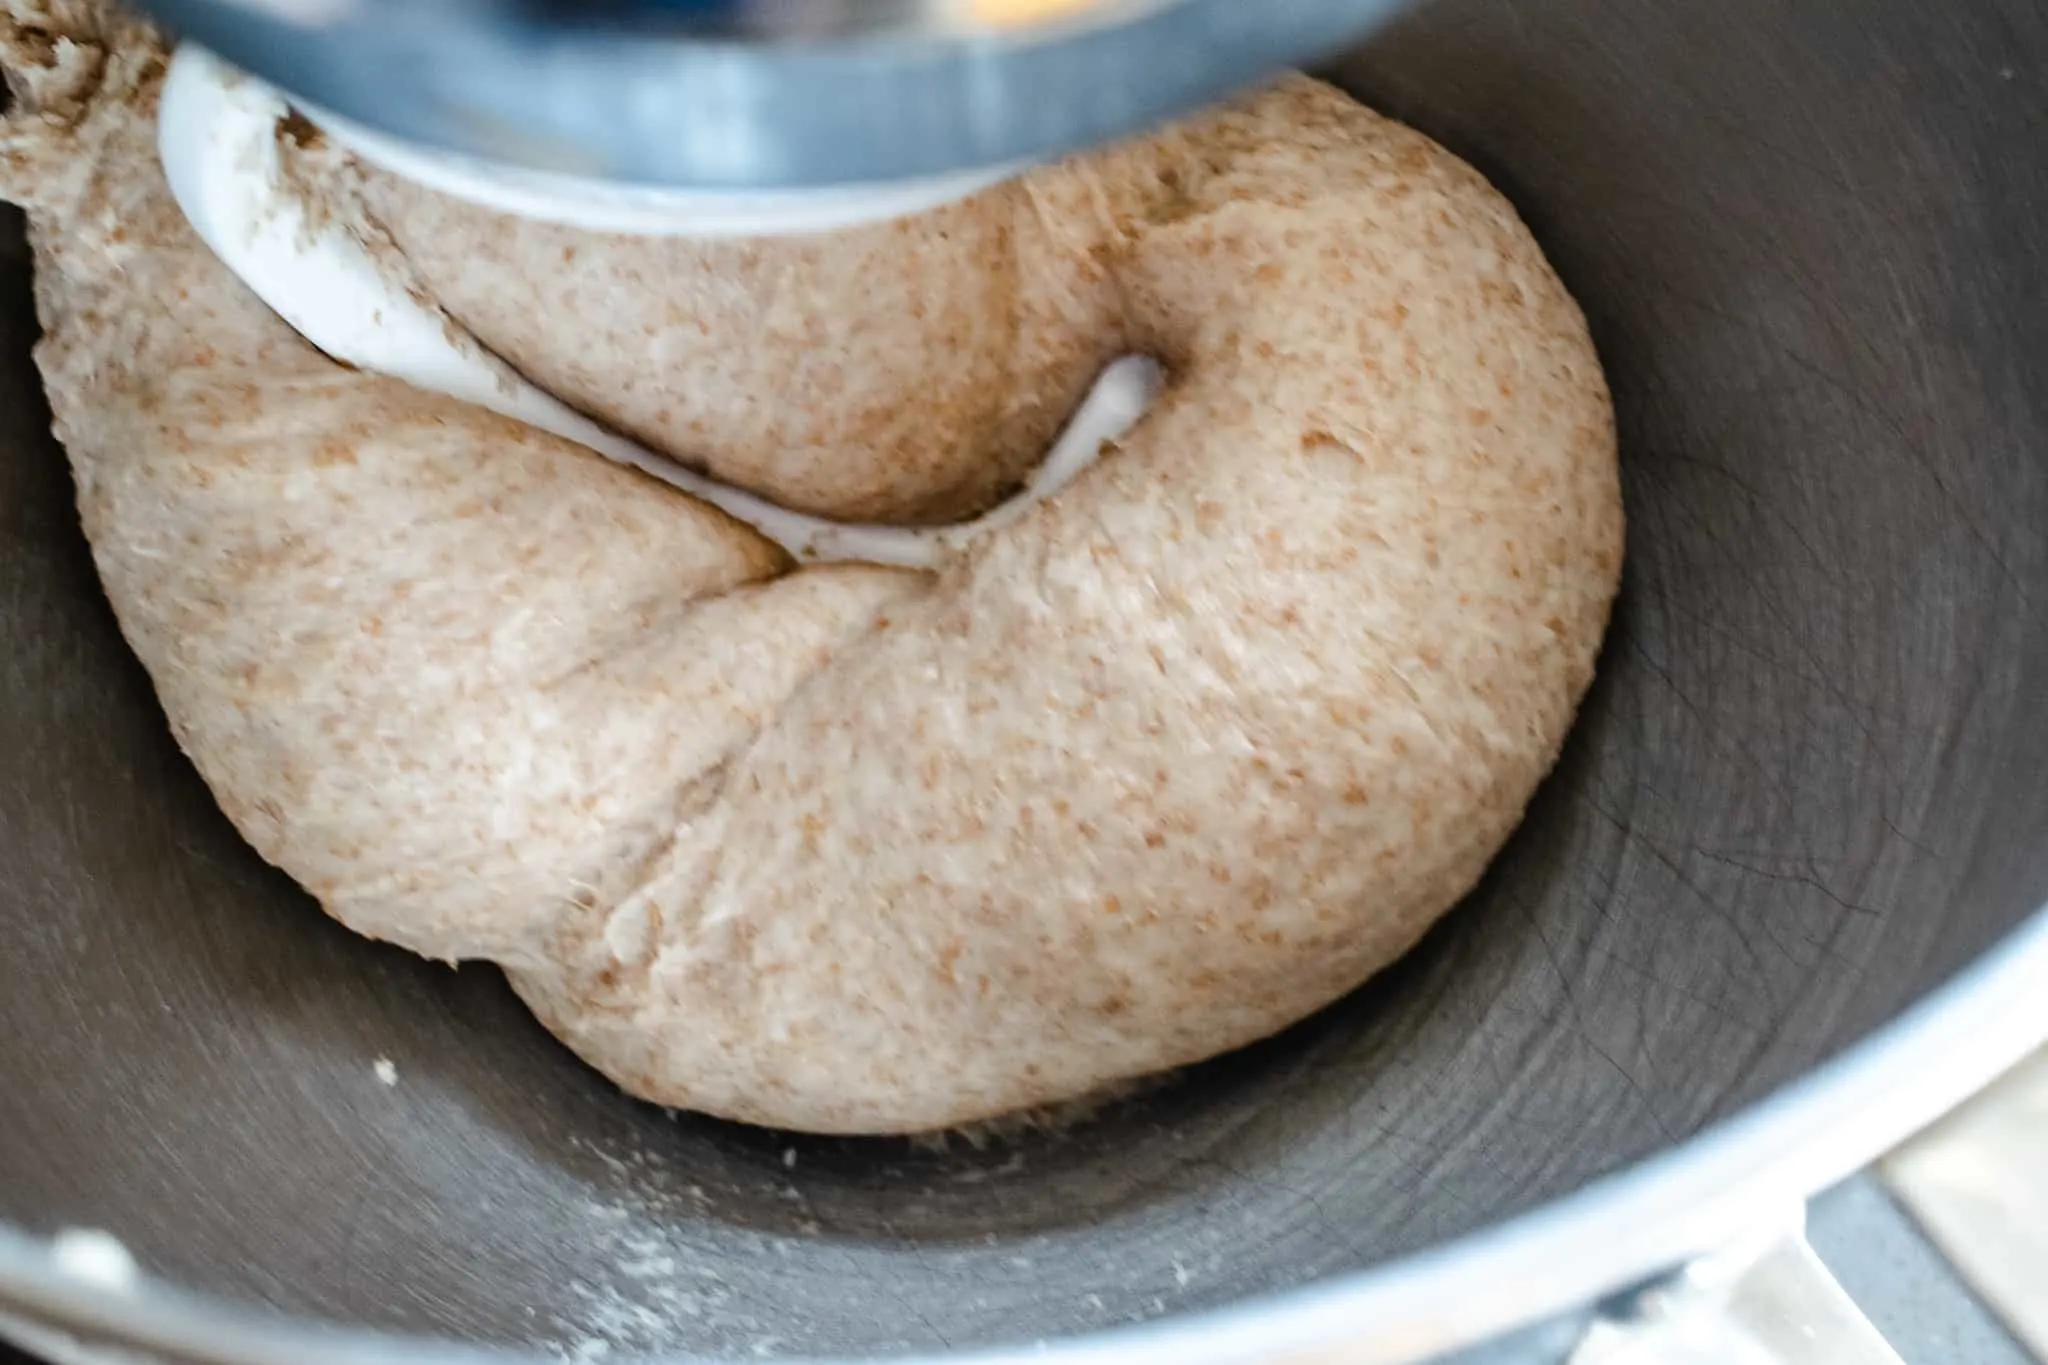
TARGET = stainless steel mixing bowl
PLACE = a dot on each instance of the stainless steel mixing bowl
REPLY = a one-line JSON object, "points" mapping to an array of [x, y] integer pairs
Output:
{"points": [[1809, 790]]}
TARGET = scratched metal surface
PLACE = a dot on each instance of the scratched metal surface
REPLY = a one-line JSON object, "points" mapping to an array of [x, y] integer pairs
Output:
{"points": [[1811, 783]]}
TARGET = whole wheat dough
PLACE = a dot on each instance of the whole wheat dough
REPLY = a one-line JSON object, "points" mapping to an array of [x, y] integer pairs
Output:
{"points": [[1182, 756]]}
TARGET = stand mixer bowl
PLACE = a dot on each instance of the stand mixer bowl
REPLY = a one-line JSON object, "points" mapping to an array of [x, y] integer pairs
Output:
{"points": [[1807, 795]]}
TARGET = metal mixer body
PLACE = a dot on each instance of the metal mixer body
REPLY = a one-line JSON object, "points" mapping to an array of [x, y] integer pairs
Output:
{"points": [[761, 95]]}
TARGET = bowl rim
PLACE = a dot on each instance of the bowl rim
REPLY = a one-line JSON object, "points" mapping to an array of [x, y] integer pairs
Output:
{"points": [[1743, 1174]]}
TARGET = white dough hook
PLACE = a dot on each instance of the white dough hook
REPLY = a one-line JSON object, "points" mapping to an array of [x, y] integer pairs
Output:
{"points": [[217, 137]]}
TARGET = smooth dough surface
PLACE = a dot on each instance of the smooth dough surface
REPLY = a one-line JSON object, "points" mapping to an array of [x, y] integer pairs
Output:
{"points": [[1185, 754]]}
